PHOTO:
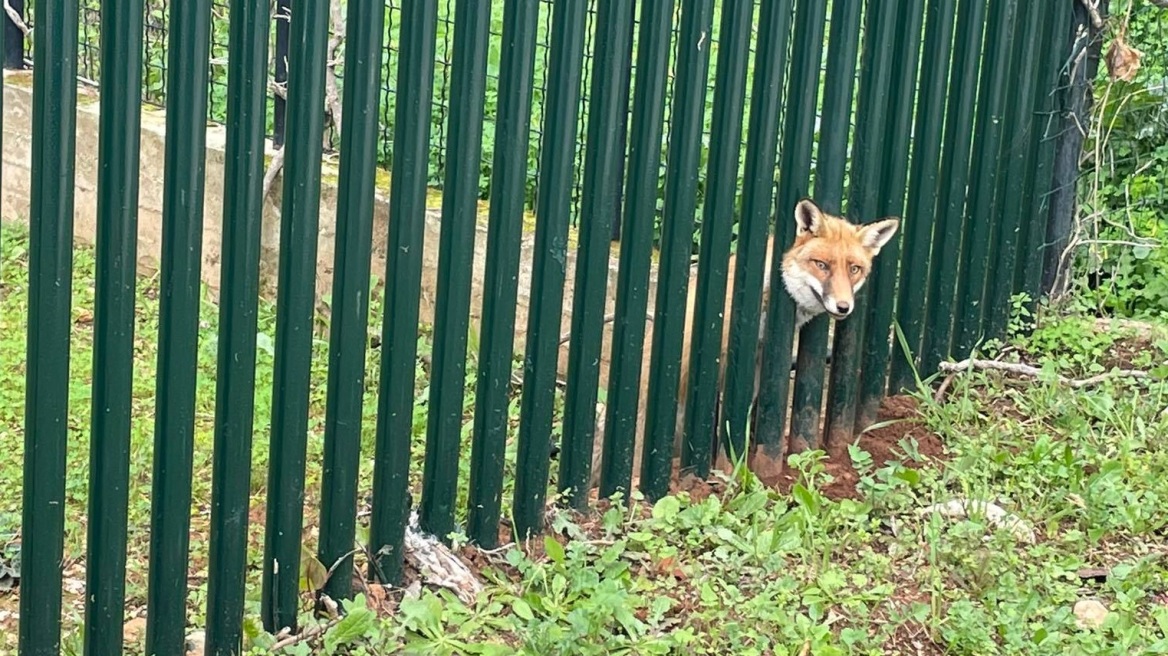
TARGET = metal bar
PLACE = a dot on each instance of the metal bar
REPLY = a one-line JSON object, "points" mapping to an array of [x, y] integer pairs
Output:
{"points": [[553, 208], [831, 165], [1018, 149], [882, 282], [954, 177], [632, 292], [770, 69], [113, 319], [922, 211], [403, 266], [707, 327], [464, 147], [611, 66], [984, 203], [280, 75], [295, 310], [863, 197], [247, 91], [50, 267], [1056, 44], [504, 235], [794, 168], [681, 179], [178, 328], [13, 38]]}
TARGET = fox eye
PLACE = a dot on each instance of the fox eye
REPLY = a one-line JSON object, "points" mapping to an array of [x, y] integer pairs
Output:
{"points": [[821, 264], [855, 269]]}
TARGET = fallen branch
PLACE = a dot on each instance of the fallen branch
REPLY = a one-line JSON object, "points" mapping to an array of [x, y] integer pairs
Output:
{"points": [[274, 168], [307, 634], [1019, 369], [1093, 11], [995, 515], [608, 318], [438, 565]]}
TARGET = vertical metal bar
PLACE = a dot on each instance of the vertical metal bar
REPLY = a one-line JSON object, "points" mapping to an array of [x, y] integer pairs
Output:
{"points": [[280, 75], [681, 179], [348, 335], [113, 342], [1019, 166], [239, 297], [794, 169], [553, 207], [403, 266], [601, 196], [1048, 103], [178, 330], [13, 38], [464, 145], [831, 165], [954, 177], [983, 204], [504, 234], [707, 328], [922, 212], [770, 69], [882, 282], [632, 291], [867, 149], [50, 267], [295, 307]]}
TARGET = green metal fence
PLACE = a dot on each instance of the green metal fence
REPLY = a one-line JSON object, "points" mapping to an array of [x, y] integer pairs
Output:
{"points": [[937, 111]]}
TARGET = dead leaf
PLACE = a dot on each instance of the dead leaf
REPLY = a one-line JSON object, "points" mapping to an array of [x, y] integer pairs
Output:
{"points": [[1123, 61]]}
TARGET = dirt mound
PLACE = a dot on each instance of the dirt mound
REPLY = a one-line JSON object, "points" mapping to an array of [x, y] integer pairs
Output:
{"points": [[882, 443]]}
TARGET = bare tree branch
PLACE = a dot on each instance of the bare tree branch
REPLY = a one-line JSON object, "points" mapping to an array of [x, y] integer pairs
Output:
{"points": [[16, 18], [1025, 370]]}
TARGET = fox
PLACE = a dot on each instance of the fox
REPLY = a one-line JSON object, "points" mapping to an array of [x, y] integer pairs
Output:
{"points": [[825, 266]]}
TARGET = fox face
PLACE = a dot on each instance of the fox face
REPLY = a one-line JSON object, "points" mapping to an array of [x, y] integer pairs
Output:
{"points": [[830, 260]]}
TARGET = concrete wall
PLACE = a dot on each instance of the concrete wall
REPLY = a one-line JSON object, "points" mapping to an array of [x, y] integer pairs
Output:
{"points": [[14, 206]]}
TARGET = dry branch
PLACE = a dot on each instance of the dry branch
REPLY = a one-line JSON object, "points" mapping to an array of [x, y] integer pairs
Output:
{"points": [[1028, 371], [16, 18], [274, 168]]}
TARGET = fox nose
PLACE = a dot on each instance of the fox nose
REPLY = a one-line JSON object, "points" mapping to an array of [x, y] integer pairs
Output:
{"points": [[843, 307]]}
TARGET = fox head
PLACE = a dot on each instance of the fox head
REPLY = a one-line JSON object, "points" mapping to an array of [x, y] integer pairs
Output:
{"points": [[830, 260]]}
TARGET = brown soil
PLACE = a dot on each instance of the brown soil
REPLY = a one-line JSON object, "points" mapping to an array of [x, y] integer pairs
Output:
{"points": [[882, 444]]}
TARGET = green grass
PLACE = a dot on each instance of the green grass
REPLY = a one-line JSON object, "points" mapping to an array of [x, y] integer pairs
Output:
{"points": [[746, 570]]}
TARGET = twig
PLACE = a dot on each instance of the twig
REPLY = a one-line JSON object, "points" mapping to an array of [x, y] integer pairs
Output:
{"points": [[332, 94], [16, 18], [1096, 19], [273, 169], [940, 395], [608, 318], [306, 634], [1019, 369]]}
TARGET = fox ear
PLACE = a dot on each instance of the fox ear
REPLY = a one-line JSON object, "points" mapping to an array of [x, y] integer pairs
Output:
{"points": [[808, 217], [875, 235]]}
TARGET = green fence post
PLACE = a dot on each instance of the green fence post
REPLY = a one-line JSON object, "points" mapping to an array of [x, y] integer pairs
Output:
{"points": [[983, 207], [295, 309], [770, 68], [113, 320], [464, 145], [794, 169], [238, 303], [1018, 150], [883, 281], [632, 292], [50, 267], [689, 100], [867, 150], [504, 236], [348, 335], [178, 327], [807, 397], [1048, 101], [608, 108], [921, 213], [707, 324], [831, 165], [954, 177], [403, 276], [554, 203]]}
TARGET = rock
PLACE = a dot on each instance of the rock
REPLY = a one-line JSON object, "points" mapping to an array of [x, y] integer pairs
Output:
{"points": [[1090, 613], [196, 643], [133, 630]]}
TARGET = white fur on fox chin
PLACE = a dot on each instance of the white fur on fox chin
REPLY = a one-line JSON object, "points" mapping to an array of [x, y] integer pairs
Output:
{"points": [[803, 289]]}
